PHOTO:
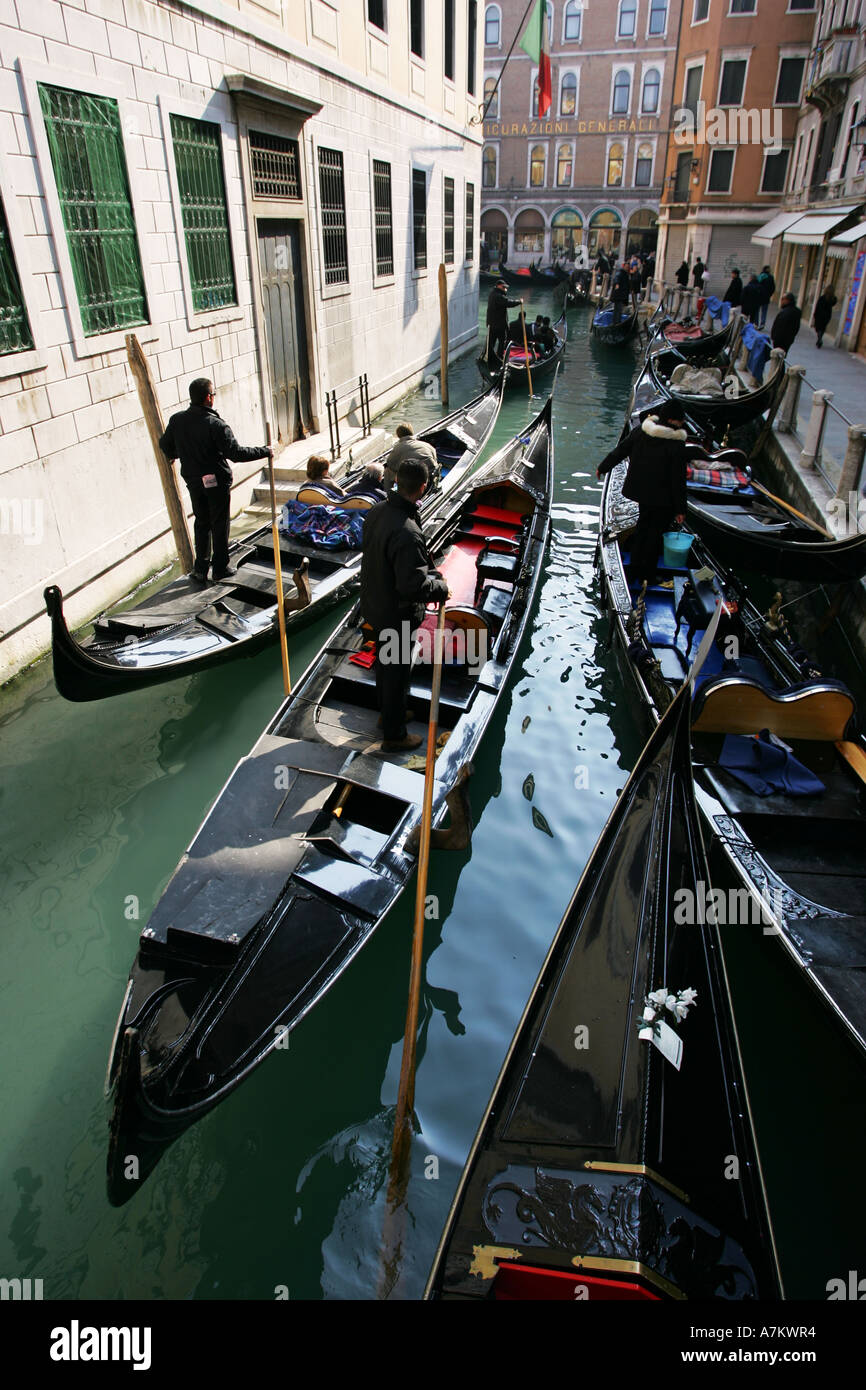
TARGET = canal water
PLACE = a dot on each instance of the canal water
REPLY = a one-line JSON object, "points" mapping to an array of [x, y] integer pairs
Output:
{"points": [[282, 1187]]}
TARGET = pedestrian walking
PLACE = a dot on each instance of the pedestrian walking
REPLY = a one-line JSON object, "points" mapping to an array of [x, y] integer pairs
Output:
{"points": [[823, 313], [768, 289], [786, 324]]}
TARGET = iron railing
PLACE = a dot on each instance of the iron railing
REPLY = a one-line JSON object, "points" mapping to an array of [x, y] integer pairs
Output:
{"points": [[332, 405], [419, 218], [470, 222]]}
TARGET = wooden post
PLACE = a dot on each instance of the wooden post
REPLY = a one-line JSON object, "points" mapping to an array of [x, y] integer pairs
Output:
{"points": [[443, 332], [153, 419], [278, 571]]}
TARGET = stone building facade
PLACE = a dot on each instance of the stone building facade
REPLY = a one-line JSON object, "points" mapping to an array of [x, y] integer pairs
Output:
{"points": [[592, 170], [262, 191], [740, 72]]}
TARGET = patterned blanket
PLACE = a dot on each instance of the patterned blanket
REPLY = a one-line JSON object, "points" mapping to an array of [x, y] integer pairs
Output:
{"points": [[718, 477], [331, 528]]}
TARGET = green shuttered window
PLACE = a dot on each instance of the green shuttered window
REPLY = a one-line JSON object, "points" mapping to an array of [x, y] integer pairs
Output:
{"points": [[87, 156], [201, 185], [15, 333]]}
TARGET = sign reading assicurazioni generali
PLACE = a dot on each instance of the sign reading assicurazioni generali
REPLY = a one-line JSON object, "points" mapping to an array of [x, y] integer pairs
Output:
{"points": [[617, 125]]}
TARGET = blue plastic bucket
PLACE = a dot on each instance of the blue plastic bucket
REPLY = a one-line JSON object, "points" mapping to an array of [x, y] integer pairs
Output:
{"points": [[677, 545]]}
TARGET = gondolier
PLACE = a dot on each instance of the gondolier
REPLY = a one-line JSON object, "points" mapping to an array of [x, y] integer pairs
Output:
{"points": [[620, 292], [498, 305], [397, 580], [656, 480], [204, 443]]}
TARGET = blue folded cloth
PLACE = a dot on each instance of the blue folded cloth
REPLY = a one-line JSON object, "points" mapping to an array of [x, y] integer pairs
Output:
{"points": [[719, 308], [766, 768], [758, 346]]}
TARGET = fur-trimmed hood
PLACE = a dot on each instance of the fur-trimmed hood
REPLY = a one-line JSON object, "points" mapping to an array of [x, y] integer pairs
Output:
{"points": [[655, 430]]}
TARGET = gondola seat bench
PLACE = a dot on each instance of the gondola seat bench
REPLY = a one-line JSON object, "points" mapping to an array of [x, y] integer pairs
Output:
{"points": [[737, 704]]}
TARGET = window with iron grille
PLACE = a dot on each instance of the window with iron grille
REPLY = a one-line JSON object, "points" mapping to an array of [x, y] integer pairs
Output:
{"points": [[470, 221], [204, 210], [87, 156], [419, 218], [275, 166], [15, 335], [382, 212], [448, 222], [332, 194]]}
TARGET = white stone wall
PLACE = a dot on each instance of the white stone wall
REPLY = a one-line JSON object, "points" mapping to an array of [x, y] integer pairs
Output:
{"points": [[80, 499]]}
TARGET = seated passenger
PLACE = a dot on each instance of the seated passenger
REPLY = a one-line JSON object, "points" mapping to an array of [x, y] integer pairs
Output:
{"points": [[369, 484], [408, 447], [545, 337], [319, 476]]}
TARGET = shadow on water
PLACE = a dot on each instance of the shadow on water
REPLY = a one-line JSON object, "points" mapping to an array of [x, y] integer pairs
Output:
{"points": [[283, 1185]]}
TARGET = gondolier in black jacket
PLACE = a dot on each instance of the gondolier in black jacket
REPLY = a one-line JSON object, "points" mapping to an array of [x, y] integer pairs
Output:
{"points": [[498, 305], [397, 581], [203, 442], [656, 480]]}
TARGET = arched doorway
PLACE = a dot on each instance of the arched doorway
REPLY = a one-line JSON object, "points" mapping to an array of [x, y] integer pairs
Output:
{"points": [[605, 233], [529, 233], [642, 234], [566, 234], [494, 233]]}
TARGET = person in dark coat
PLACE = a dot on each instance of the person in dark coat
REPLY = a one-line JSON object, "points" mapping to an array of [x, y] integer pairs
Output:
{"points": [[823, 313], [698, 273], [656, 480], [204, 443], [682, 276], [397, 581], [620, 291], [498, 305], [734, 292], [751, 301], [370, 484], [786, 324], [768, 289]]}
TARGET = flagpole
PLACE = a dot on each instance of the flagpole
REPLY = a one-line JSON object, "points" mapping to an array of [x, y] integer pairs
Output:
{"points": [[479, 119]]}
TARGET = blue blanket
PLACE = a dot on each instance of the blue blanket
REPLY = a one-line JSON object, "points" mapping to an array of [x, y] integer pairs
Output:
{"points": [[719, 309], [331, 528], [765, 768], [758, 346]]}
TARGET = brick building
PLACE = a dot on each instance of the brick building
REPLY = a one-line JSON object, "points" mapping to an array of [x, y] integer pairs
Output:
{"points": [[740, 71], [592, 170], [262, 191]]}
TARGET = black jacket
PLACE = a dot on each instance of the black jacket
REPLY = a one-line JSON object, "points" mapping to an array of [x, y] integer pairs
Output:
{"points": [[203, 442], [767, 286], [656, 466], [751, 300], [698, 273], [397, 580], [734, 292], [621, 286], [683, 275], [823, 310], [498, 305], [786, 326]]}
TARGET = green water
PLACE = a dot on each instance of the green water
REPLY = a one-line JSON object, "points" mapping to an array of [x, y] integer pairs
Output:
{"points": [[283, 1184]]}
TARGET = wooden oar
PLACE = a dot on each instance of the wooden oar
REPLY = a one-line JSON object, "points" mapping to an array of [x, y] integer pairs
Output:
{"points": [[526, 347], [816, 526], [399, 1171], [278, 571]]}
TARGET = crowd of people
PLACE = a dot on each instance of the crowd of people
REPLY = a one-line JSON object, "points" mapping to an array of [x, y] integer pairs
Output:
{"points": [[753, 298]]}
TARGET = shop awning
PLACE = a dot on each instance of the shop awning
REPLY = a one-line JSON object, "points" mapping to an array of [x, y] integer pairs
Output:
{"points": [[844, 239], [766, 235], [815, 226]]}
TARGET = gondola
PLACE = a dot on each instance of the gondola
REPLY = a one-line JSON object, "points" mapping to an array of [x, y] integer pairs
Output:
{"points": [[516, 277], [614, 334], [540, 367], [578, 292], [743, 524], [695, 345], [719, 413], [788, 866], [594, 1173], [310, 842], [186, 627], [548, 275]]}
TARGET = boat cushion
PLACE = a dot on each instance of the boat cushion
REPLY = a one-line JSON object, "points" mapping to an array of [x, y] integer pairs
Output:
{"points": [[766, 768], [494, 603], [736, 704]]}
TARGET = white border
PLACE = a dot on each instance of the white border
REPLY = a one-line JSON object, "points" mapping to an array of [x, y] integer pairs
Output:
{"points": [[713, 151]]}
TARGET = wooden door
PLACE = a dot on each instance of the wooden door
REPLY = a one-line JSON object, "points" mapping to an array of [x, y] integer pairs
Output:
{"points": [[282, 290]]}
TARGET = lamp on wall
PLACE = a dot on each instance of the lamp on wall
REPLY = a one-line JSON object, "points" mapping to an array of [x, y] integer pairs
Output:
{"points": [[696, 170]]}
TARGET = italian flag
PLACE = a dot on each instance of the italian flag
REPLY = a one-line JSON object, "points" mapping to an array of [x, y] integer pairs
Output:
{"points": [[536, 42]]}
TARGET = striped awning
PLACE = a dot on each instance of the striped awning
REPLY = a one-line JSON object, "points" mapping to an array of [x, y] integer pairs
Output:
{"points": [[766, 235], [811, 229]]}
